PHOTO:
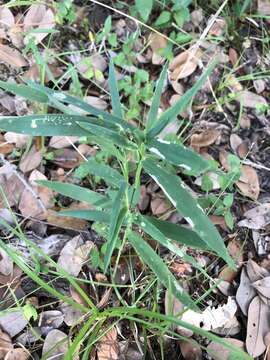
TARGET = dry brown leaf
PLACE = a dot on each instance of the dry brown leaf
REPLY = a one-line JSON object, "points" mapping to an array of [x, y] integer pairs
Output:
{"points": [[33, 73], [5, 147], [72, 316], [55, 345], [5, 344], [257, 217], [159, 206], [35, 199], [157, 43], [17, 354], [227, 274], [96, 101], [108, 346], [13, 189], [245, 121], [38, 17], [255, 272], [60, 142], [235, 142], [220, 352], [257, 327], [205, 138], [233, 83], [51, 319], [233, 56], [67, 158], [218, 28], [6, 264], [190, 350], [74, 254], [144, 199], [66, 222], [249, 182], [13, 322], [20, 140], [197, 16], [12, 56], [245, 292], [184, 64], [6, 17], [31, 160], [250, 99], [263, 286], [76, 296]]}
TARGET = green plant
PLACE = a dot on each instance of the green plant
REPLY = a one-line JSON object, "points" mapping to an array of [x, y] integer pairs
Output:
{"points": [[64, 11], [133, 150]]}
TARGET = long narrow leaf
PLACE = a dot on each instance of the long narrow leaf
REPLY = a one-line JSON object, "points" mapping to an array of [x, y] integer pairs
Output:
{"points": [[25, 91], [108, 134], [90, 215], [170, 114], [57, 96], [152, 117], [116, 104], [156, 234], [178, 155], [176, 192], [76, 192], [117, 217], [47, 125], [150, 258], [107, 173], [179, 233]]}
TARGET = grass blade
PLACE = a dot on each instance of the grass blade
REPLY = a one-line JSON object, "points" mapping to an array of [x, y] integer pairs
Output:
{"points": [[109, 134], [108, 174], [25, 91], [153, 112], [47, 125], [175, 190], [116, 104], [117, 217], [149, 257], [57, 96], [90, 215], [178, 233], [170, 114], [156, 234], [75, 192], [178, 155]]}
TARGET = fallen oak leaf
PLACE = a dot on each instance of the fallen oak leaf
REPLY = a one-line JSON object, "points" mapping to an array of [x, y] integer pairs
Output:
{"points": [[249, 182], [204, 139], [257, 327], [12, 56], [184, 64], [108, 346]]}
